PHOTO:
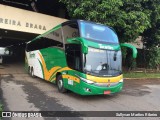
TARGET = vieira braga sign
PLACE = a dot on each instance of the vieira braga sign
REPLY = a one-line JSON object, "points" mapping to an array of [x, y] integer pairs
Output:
{"points": [[19, 23], [26, 21]]}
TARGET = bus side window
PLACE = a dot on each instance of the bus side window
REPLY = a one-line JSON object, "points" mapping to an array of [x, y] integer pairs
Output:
{"points": [[35, 45], [54, 39]]}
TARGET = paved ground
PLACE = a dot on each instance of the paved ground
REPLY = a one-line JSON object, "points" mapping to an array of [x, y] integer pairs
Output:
{"points": [[20, 92]]}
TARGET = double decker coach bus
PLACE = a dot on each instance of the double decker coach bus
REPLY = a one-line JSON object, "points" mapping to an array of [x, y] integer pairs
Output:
{"points": [[80, 56]]}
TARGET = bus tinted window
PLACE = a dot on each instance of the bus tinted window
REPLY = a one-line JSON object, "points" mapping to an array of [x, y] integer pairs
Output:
{"points": [[97, 32], [49, 40], [70, 31], [55, 35]]}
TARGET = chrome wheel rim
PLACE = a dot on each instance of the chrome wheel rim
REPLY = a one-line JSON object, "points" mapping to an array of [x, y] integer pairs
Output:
{"points": [[60, 84]]}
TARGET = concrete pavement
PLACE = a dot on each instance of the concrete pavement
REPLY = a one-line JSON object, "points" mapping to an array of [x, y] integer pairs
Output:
{"points": [[23, 93]]}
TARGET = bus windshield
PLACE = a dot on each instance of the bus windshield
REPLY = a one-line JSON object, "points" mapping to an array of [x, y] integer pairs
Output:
{"points": [[97, 32], [100, 62]]}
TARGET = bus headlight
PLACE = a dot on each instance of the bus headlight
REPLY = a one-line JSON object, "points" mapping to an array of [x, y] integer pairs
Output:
{"points": [[85, 80], [121, 80]]}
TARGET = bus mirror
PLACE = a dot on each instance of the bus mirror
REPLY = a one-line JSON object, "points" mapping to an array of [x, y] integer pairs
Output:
{"points": [[131, 47], [84, 49], [79, 41]]}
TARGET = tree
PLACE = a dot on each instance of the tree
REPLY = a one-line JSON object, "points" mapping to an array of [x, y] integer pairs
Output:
{"points": [[151, 36], [125, 16]]}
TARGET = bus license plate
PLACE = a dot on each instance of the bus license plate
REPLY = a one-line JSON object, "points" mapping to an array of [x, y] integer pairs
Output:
{"points": [[107, 92]]}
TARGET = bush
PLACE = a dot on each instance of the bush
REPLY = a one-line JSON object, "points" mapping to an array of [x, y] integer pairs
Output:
{"points": [[154, 58]]}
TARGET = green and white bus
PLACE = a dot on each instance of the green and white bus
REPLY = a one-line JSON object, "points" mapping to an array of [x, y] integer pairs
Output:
{"points": [[80, 56]]}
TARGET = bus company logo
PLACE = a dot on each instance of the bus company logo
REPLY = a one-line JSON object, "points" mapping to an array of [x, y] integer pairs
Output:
{"points": [[105, 47], [75, 34], [32, 55]]}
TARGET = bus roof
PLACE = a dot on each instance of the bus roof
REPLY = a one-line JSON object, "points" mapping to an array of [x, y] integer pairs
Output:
{"points": [[66, 23]]}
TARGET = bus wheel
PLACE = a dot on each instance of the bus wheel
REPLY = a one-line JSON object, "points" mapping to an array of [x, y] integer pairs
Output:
{"points": [[32, 72], [60, 84]]}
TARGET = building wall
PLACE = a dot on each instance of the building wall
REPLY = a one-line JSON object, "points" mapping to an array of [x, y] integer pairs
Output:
{"points": [[26, 21]]}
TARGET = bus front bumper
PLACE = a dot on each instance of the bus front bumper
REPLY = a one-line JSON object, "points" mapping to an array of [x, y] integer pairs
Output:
{"points": [[92, 89]]}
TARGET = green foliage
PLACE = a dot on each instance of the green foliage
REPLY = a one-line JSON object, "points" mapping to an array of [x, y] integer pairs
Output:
{"points": [[127, 17], [151, 36], [124, 52], [141, 75], [154, 52]]}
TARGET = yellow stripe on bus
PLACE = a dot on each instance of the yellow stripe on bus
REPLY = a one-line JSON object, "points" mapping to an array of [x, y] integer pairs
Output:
{"points": [[47, 73], [104, 79], [63, 69], [71, 78]]}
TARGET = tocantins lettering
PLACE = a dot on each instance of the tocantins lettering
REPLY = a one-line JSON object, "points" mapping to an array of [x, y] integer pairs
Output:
{"points": [[105, 47], [18, 23]]}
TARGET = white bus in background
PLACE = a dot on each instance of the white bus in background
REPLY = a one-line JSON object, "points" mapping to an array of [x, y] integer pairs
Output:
{"points": [[4, 51]]}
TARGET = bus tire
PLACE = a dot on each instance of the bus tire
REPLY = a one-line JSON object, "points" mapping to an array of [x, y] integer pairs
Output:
{"points": [[32, 72], [60, 84]]}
